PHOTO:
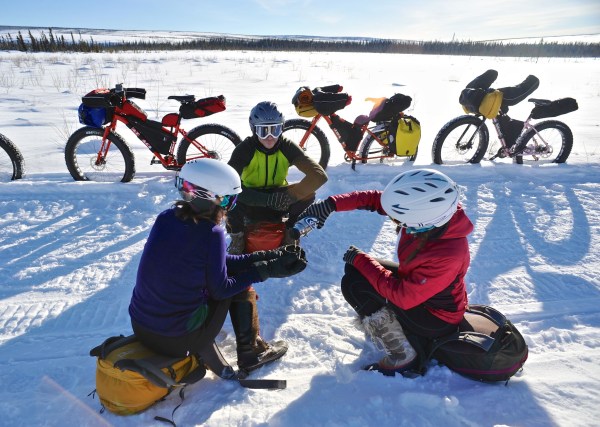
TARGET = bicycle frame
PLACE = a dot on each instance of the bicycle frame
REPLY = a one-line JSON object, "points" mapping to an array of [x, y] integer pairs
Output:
{"points": [[350, 155], [169, 160]]}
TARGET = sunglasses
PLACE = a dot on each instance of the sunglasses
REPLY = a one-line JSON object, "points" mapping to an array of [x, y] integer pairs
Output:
{"points": [[264, 131], [225, 202]]}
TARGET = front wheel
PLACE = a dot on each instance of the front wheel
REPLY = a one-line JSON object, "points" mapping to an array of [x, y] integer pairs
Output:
{"points": [[88, 160], [208, 141], [316, 145], [12, 165], [464, 139], [546, 142]]}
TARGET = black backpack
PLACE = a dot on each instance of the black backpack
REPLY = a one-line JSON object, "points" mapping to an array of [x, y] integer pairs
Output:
{"points": [[487, 346]]}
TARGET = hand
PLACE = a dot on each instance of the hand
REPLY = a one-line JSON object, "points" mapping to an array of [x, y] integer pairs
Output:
{"points": [[280, 201], [286, 265], [320, 210], [265, 255], [351, 254]]}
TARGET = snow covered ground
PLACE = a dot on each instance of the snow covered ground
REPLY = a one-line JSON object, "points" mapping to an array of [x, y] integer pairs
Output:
{"points": [[69, 250]]}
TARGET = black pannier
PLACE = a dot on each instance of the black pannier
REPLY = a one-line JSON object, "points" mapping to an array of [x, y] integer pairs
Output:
{"points": [[202, 107], [554, 108], [392, 107], [327, 103], [154, 134], [349, 134]]}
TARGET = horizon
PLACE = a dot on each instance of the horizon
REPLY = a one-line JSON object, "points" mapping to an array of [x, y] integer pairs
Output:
{"points": [[433, 20]]}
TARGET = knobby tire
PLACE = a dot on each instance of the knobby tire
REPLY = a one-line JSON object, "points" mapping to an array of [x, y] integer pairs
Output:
{"points": [[81, 152], [316, 146], [218, 140], [464, 139], [557, 134], [13, 167]]}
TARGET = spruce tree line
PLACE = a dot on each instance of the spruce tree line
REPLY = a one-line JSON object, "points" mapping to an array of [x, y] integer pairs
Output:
{"points": [[51, 43]]}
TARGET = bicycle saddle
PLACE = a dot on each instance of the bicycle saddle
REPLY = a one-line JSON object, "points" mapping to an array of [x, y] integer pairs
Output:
{"points": [[183, 98]]}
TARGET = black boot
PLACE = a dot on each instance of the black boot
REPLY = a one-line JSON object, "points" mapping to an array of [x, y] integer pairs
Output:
{"points": [[252, 350]]}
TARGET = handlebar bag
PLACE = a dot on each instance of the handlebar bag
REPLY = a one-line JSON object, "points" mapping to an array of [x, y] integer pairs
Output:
{"points": [[303, 102], [95, 116], [327, 103], [203, 107]]}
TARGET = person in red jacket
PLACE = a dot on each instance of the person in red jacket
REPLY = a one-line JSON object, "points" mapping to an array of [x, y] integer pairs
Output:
{"points": [[423, 294]]}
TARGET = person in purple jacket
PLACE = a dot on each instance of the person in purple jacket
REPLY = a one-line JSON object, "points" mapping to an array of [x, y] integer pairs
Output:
{"points": [[185, 278]]}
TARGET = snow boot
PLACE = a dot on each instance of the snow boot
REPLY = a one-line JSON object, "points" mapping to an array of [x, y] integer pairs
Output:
{"points": [[252, 351], [387, 334], [238, 243]]}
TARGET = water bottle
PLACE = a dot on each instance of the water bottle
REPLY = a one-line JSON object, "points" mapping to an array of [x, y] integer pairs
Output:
{"points": [[304, 226]]}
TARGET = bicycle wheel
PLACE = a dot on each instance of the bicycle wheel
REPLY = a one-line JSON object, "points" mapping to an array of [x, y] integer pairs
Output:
{"points": [[549, 142], [316, 145], [372, 151], [464, 139], [81, 156], [217, 141], [12, 165]]}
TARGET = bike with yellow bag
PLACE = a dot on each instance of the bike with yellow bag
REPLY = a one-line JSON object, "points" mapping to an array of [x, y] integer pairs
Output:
{"points": [[466, 138], [385, 133]]}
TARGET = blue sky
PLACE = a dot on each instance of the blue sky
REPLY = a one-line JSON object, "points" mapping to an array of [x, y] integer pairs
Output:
{"points": [[398, 19]]}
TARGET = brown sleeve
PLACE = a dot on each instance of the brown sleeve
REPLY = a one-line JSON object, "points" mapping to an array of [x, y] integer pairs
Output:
{"points": [[314, 175]]}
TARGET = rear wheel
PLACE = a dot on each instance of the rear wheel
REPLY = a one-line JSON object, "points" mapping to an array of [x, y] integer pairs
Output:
{"points": [[211, 140], [548, 142], [85, 164], [316, 145], [12, 165], [464, 139]]}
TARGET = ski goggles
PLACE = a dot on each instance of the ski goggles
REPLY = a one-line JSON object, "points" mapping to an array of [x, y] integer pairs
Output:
{"points": [[192, 191], [228, 202], [412, 230], [264, 131]]}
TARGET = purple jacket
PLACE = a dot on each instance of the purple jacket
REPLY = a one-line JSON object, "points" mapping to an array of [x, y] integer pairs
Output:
{"points": [[183, 265]]}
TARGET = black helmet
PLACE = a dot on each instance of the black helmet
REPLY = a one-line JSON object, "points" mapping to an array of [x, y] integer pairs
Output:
{"points": [[265, 113]]}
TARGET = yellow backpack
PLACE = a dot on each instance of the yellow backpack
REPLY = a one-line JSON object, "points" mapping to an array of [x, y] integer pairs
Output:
{"points": [[130, 377]]}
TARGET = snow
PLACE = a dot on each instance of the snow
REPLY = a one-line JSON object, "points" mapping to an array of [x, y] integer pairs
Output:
{"points": [[70, 250]]}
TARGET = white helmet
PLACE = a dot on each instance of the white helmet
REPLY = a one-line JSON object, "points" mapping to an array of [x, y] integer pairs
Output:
{"points": [[421, 199], [208, 180]]}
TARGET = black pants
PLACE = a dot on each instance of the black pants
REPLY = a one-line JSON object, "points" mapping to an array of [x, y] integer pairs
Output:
{"points": [[195, 342], [365, 300], [242, 214]]}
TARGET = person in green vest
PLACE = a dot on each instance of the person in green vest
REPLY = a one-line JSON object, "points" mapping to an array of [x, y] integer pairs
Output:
{"points": [[263, 160]]}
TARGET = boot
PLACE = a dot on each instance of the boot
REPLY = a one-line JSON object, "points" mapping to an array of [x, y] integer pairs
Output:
{"points": [[387, 334], [252, 350], [238, 243]]}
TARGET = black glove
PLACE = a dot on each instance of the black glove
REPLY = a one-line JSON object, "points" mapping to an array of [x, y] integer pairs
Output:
{"points": [[285, 265], [265, 255], [320, 210], [351, 254], [279, 201]]}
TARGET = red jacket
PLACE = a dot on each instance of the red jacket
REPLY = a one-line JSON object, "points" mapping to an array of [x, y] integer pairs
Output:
{"points": [[432, 275]]}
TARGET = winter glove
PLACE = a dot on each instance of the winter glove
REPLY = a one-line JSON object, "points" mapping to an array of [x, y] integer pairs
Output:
{"points": [[320, 210], [265, 255], [279, 201], [351, 254], [285, 265]]}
